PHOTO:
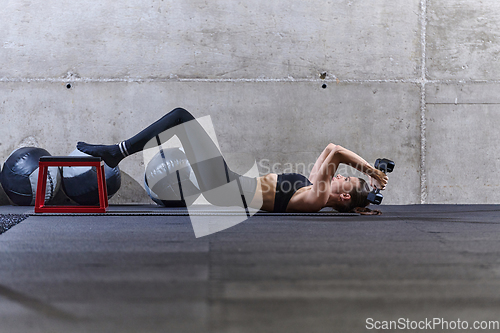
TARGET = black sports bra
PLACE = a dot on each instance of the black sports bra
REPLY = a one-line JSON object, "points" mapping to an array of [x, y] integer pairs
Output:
{"points": [[286, 186]]}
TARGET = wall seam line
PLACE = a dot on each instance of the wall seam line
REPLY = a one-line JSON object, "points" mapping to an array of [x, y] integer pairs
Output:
{"points": [[423, 107], [141, 80], [418, 80]]}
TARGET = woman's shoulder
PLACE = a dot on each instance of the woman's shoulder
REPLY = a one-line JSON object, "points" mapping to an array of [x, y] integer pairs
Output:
{"points": [[303, 201]]}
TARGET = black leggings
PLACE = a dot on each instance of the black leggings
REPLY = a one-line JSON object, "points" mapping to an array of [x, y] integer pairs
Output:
{"points": [[219, 184]]}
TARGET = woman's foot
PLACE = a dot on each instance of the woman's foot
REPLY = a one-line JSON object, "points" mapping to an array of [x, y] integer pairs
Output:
{"points": [[111, 154]]}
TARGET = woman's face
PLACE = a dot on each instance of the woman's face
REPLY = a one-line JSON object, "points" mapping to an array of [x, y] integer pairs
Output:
{"points": [[341, 184]]}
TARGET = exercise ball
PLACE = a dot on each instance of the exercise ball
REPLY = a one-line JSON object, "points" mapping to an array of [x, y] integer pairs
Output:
{"points": [[19, 176], [169, 179], [80, 183]]}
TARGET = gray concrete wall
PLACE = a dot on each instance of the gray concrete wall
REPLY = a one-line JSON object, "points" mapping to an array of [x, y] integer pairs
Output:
{"points": [[411, 80]]}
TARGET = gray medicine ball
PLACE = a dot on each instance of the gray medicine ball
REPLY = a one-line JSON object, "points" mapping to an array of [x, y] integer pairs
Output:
{"points": [[170, 180], [80, 183], [19, 176]]}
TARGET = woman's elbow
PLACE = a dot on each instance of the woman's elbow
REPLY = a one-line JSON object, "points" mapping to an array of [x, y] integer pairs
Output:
{"points": [[332, 147], [335, 148]]}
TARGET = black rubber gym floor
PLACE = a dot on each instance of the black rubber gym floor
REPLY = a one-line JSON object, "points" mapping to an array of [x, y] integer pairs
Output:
{"points": [[7, 221], [138, 270]]}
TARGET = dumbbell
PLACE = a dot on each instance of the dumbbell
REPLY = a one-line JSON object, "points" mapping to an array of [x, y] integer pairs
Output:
{"points": [[385, 165]]}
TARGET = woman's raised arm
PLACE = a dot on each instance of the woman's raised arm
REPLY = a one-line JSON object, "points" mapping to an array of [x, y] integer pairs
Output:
{"points": [[377, 177], [327, 165], [317, 165]]}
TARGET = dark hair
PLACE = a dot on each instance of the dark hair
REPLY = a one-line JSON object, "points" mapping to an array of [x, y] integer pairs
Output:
{"points": [[359, 201]]}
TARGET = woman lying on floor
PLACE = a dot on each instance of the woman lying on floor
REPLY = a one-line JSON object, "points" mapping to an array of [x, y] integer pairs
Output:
{"points": [[290, 192]]}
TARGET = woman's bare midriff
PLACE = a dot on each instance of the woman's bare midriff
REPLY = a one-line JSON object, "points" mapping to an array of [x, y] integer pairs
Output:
{"points": [[264, 195], [266, 192]]}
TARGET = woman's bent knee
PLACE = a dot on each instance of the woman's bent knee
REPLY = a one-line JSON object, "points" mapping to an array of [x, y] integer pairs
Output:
{"points": [[182, 115]]}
